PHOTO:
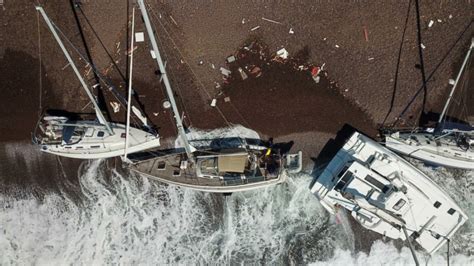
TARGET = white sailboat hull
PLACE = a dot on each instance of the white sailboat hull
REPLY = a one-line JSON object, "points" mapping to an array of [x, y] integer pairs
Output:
{"points": [[428, 151], [93, 146]]}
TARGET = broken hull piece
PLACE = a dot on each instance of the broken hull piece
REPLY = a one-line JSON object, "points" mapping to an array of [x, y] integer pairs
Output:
{"points": [[220, 171], [385, 193], [88, 139], [425, 146]]}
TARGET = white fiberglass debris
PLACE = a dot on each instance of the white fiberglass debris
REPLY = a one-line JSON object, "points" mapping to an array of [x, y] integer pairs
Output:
{"points": [[422, 46], [115, 106], [430, 23], [337, 46], [139, 37], [291, 31], [283, 53], [225, 71], [214, 102], [255, 28]]}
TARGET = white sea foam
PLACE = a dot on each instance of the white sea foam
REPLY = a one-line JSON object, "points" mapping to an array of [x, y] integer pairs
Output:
{"points": [[202, 137]]}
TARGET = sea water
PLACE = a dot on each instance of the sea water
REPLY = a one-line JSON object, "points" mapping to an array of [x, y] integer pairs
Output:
{"points": [[124, 218]]}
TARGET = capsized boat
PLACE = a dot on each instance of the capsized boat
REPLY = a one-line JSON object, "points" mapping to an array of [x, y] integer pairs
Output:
{"points": [[388, 195], [450, 144], [88, 139], [220, 170]]}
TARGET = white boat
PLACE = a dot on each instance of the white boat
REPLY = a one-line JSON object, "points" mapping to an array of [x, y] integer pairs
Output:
{"points": [[220, 170], [450, 144], [87, 139], [388, 195]]}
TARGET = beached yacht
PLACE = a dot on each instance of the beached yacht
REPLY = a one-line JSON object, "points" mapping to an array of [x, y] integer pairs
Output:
{"points": [[221, 170], [388, 195], [88, 139], [450, 144]]}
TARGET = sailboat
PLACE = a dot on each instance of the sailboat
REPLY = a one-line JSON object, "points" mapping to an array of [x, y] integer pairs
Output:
{"points": [[87, 139], [221, 170], [387, 195], [450, 144]]}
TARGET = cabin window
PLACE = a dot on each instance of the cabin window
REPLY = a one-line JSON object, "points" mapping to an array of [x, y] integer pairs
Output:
{"points": [[123, 135], [377, 183], [451, 211], [344, 180], [176, 173], [95, 146], [161, 165], [78, 147], [437, 204], [400, 203], [100, 134]]}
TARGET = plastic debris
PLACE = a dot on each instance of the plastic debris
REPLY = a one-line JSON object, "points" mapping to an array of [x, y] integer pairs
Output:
{"points": [[227, 99], [422, 46], [282, 53], [243, 21], [337, 46], [255, 28], [225, 71], [166, 104], [451, 82], [291, 31], [450, 16], [242, 74], [200, 62], [213, 66], [271, 20], [366, 35], [139, 37], [256, 71], [214, 102], [156, 114], [371, 58], [430, 24], [439, 20], [230, 59], [115, 106]]}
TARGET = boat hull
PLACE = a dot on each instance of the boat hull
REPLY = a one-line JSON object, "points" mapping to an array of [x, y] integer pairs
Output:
{"points": [[431, 154]]}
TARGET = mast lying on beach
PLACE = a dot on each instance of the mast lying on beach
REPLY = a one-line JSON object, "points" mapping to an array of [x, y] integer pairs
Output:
{"points": [[98, 113], [164, 76], [129, 100], [445, 109]]}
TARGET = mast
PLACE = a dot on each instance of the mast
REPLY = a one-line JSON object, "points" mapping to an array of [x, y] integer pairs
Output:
{"points": [[456, 83], [129, 100], [164, 76], [98, 113]]}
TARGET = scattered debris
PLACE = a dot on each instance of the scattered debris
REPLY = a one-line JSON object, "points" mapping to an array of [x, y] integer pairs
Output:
{"points": [[346, 90], [166, 104], [64, 67], [255, 28], [291, 31], [451, 82], [256, 71], [181, 60], [200, 63], [315, 70], [214, 102], [422, 46], [271, 20], [243, 21], [118, 45], [225, 71], [174, 21], [242, 74], [156, 114], [115, 106], [337, 46], [152, 54], [227, 99], [324, 39], [282, 53], [450, 16], [366, 35], [139, 115], [430, 24], [129, 52], [213, 66], [230, 59], [139, 37], [439, 20], [371, 58]]}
